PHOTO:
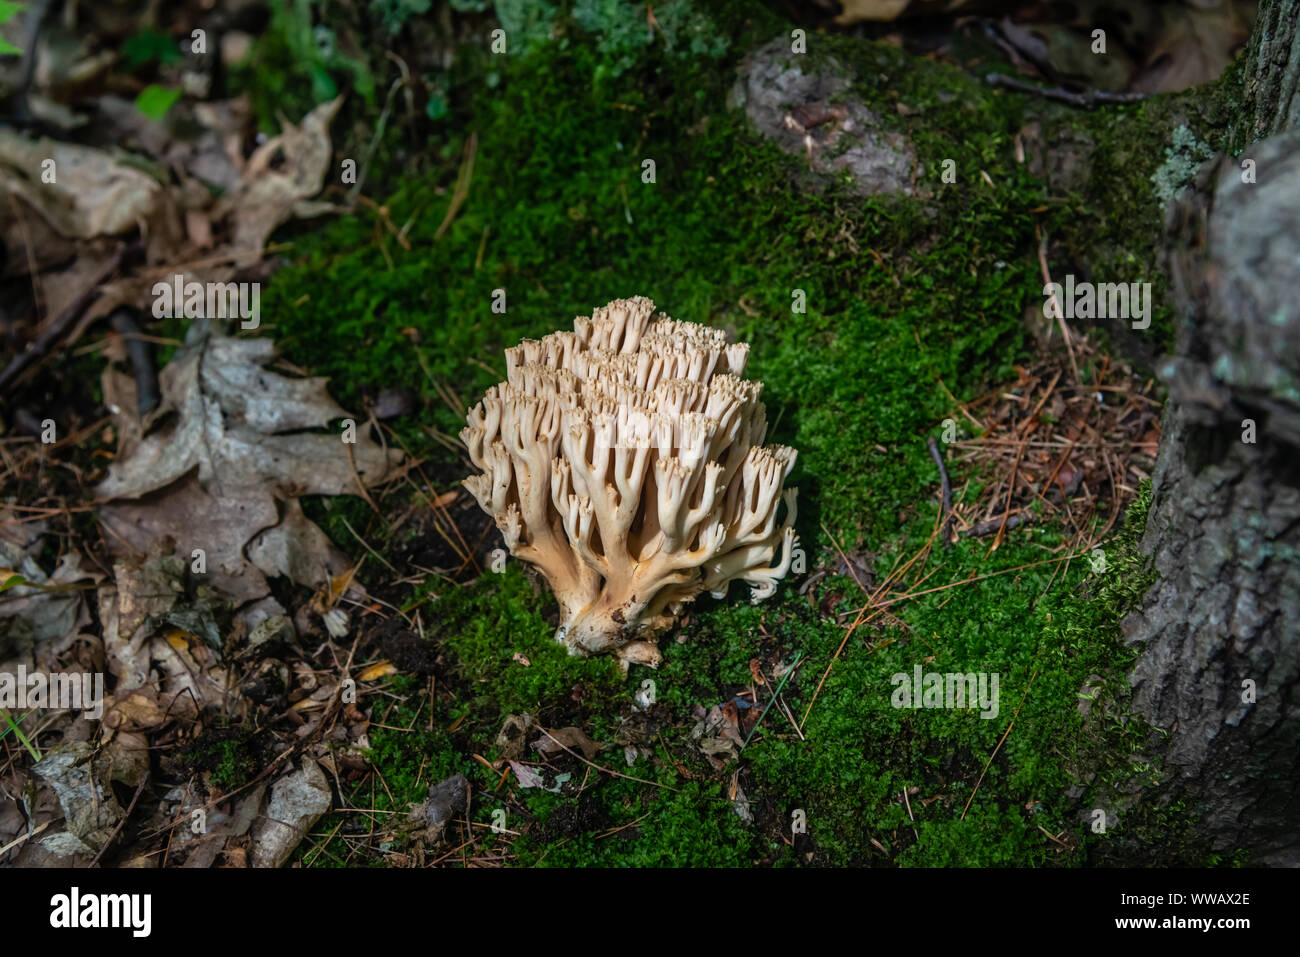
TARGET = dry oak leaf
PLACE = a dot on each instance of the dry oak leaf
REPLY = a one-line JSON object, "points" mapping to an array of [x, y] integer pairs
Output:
{"points": [[218, 465], [298, 549], [191, 517], [230, 416]]}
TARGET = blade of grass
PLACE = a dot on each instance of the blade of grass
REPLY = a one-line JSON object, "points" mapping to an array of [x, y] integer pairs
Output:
{"points": [[13, 726], [775, 694]]}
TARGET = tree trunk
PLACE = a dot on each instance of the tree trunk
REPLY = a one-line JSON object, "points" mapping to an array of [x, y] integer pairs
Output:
{"points": [[1220, 664], [1271, 94]]}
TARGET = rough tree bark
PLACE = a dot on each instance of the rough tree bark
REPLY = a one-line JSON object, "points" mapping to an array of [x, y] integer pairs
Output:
{"points": [[1224, 525], [1272, 70]]}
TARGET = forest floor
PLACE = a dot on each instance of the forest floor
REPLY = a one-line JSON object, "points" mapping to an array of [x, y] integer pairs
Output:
{"points": [[920, 358]]}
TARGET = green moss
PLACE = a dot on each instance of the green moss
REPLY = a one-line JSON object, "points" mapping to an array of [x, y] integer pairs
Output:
{"points": [[229, 754], [529, 24], [858, 752], [627, 824], [233, 766], [487, 624]]}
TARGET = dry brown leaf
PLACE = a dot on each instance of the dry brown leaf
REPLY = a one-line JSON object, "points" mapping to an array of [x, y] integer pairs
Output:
{"points": [[857, 11], [93, 193], [297, 802], [191, 680], [43, 247], [379, 669], [137, 709], [209, 475], [572, 738], [281, 173], [298, 549], [1195, 44], [230, 416], [90, 808], [38, 621], [191, 518]]}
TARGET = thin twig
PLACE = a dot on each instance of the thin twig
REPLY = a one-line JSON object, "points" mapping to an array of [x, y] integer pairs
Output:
{"points": [[1085, 100], [30, 248], [622, 827], [894, 575], [138, 791], [784, 678], [65, 320], [981, 529], [461, 192], [367, 547], [967, 581], [23, 837], [1011, 490], [908, 804], [380, 125], [1041, 402], [1060, 311], [616, 774], [139, 353], [945, 486], [999, 746], [845, 559]]}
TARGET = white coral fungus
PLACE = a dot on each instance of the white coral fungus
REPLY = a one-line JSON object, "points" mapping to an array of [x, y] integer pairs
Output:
{"points": [[625, 460]]}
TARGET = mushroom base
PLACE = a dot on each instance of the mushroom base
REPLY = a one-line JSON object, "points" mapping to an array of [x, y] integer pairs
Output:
{"points": [[608, 626]]}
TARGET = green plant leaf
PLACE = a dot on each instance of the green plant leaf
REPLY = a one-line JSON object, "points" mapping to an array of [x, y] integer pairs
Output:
{"points": [[7, 11], [13, 726], [323, 86], [13, 581], [436, 108], [149, 46], [154, 101]]}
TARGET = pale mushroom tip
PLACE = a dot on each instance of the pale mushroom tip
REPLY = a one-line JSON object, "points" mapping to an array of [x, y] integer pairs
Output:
{"points": [[625, 460]]}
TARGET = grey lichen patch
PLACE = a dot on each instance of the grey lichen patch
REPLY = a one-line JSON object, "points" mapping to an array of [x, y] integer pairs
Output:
{"points": [[808, 111], [622, 31], [618, 28], [1182, 159]]}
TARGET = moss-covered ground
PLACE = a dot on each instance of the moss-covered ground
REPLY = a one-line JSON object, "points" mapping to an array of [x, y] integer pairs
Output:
{"points": [[912, 306]]}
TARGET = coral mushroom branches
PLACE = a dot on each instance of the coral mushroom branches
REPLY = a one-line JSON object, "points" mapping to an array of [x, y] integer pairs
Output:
{"points": [[625, 460]]}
